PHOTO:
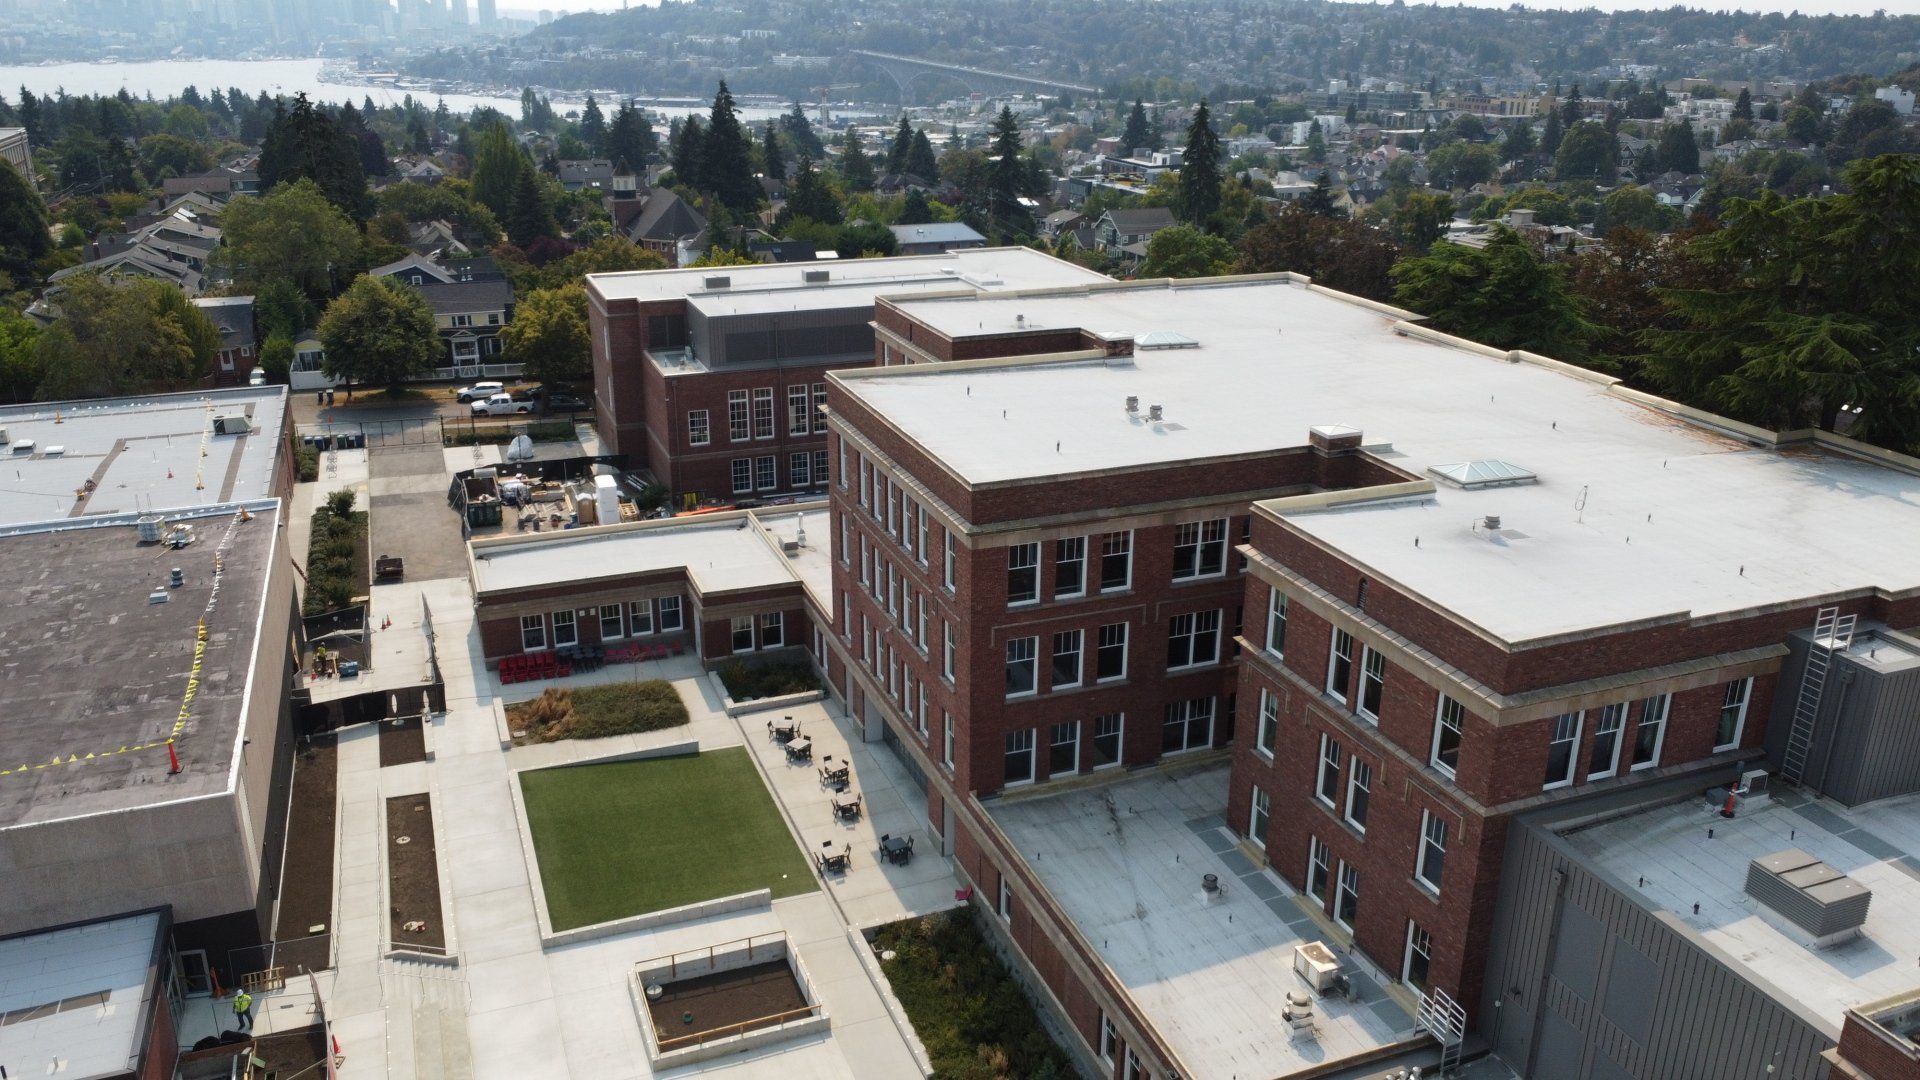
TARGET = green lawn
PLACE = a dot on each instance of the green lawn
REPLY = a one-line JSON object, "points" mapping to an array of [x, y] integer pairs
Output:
{"points": [[635, 836]]}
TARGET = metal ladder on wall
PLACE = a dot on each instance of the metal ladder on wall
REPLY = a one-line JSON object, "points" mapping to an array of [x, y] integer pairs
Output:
{"points": [[1444, 1019], [1832, 632]]}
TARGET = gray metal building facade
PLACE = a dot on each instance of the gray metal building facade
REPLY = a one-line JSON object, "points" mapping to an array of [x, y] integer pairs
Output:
{"points": [[1866, 738], [1586, 982]]}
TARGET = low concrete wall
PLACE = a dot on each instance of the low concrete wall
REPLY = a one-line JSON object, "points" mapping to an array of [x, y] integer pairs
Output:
{"points": [[863, 948], [647, 920], [731, 959], [765, 704], [388, 947]]}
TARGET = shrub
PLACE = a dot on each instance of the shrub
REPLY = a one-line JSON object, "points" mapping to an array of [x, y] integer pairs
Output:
{"points": [[306, 463], [340, 503], [974, 1019], [334, 553], [595, 712], [745, 682]]}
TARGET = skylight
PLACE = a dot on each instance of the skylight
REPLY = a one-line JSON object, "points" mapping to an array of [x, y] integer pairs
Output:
{"points": [[1484, 473], [1164, 339]]}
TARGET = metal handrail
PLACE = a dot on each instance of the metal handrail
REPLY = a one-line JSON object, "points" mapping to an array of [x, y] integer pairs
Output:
{"points": [[675, 959], [774, 1020]]}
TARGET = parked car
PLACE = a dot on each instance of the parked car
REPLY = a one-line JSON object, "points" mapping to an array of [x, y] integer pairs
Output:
{"points": [[567, 401], [479, 391], [501, 405]]}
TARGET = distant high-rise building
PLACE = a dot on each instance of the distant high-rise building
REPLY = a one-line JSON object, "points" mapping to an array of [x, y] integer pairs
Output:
{"points": [[546, 16], [458, 15], [486, 12]]}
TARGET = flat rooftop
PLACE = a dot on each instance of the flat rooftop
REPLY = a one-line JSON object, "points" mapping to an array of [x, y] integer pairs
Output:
{"points": [[1877, 845], [1124, 860], [76, 995], [1636, 513], [139, 454], [777, 287], [94, 676], [720, 552]]}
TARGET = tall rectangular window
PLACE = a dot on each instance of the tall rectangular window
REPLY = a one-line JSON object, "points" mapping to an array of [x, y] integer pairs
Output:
{"points": [[1193, 639], [842, 444], [640, 617], [1109, 1038], [1069, 567], [1023, 574], [1359, 792], [1604, 761], [948, 648], [1258, 814], [612, 625], [738, 427], [866, 485], [669, 614], [1319, 869], [1276, 622], [698, 431], [1733, 714], [797, 410], [1199, 549], [1269, 732], [1432, 859], [1326, 785], [1111, 663], [1346, 902], [742, 633], [1063, 748], [800, 470], [819, 468], [1560, 749], [1339, 664], [1188, 726], [1116, 562], [742, 475], [1066, 658], [946, 738], [906, 520], [1019, 759], [1373, 683], [773, 630], [1419, 959], [763, 412], [1449, 717], [846, 540], [819, 408], [950, 570], [564, 631], [1107, 739], [1650, 733], [1022, 663], [920, 532], [533, 633], [766, 473]]}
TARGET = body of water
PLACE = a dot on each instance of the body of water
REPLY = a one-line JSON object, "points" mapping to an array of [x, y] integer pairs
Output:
{"points": [[164, 78]]}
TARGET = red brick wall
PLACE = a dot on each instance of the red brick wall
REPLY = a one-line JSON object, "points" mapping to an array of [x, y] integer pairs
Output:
{"points": [[707, 470], [1871, 1055], [163, 1047]]}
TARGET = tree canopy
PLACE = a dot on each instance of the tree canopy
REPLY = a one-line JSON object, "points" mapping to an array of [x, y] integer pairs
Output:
{"points": [[1504, 295], [549, 335], [379, 332], [293, 232], [113, 338]]}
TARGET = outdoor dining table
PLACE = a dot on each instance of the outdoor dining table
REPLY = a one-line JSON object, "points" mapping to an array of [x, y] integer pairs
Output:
{"points": [[800, 748], [897, 849]]}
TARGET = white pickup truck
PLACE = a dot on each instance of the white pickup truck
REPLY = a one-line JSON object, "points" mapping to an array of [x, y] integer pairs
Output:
{"points": [[502, 405]]}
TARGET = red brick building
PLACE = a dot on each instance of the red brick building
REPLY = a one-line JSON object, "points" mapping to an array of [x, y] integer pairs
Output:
{"points": [[714, 379], [1417, 586]]}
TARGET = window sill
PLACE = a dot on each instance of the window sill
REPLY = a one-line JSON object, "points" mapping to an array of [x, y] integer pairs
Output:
{"points": [[1424, 889]]}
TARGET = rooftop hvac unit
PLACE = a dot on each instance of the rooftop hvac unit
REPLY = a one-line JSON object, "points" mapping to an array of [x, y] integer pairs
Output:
{"points": [[23, 446], [718, 281], [232, 425], [149, 528], [814, 277], [1807, 899], [1315, 963]]}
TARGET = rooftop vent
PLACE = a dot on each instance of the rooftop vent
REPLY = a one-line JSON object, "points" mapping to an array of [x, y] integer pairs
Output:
{"points": [[718, 281], [232, 425], [1811, 897], [1485, 473], [1155, 413], [54, 451], [814, 277], [1164, 339], [23, 446], [1133, 405]]}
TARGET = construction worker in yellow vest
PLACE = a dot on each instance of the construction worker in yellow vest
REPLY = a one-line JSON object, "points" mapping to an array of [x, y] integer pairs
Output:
{"points": [[243, 1010]]}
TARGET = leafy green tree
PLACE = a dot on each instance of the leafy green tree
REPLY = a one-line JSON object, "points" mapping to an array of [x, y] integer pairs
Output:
{"points": [[1200, 171], [1801, 124], [1519, 141], [292, 232], [863, 241], [1801, 308], [173, 156], [1316, 143], [308, 144], [140, 336], [921, 161], [1633, 207], [1182, 251], [1552, 134], [726, 168], [498, 162], [1421, 219], [593, 125], [19, 359], [856, 169], [1743, 106], [800, 134], [1009, 175], [1319, 201], [1504, 295], [1460, 165], [1337, 252], [279, 307], [690, 155], [1588, 152], [379, 332], [531, 216], [811, 197], [914, 209], [25, 238], [549, 335], [276, 358], [630, 139], [1139, 133], [1677, 150]]}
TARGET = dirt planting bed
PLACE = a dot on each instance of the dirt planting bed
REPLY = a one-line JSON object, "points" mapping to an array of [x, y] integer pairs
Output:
{"points": [[759, 992], [413, 876], [306, 877]]}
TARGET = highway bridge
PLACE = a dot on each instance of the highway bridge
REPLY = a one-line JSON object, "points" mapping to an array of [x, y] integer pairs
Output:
{"points": [[904, 70]]}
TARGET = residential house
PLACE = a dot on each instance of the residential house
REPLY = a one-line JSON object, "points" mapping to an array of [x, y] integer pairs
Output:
{"points": [[1060, 222], [471, 301], [174, 248], [1123, 234], [15, 150], [233, 316], [587, 174], [935, 237]]}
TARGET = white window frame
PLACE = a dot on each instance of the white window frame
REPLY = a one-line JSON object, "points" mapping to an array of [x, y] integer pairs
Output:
{"points": [[762, 412], [1192, 542], [841, 443], [1119, 736], [1612, 721], [819, 468], [1054, 741], [1189, 713], [766, 472], [920, 529], [819, 415], [797, 423], [1030, 647], [739, 417], [1659, 705], [846, 541], [1267, 734], [1116, 545], [1003, 902], [742, 624], [1103, 645], [741, 473], [946, 739], [699, 428], [950, 568], [1371, 682], [668, 608], [1320, 859], [1445, 719], [800, 470], [536, 624], [1016, 743], [1109, 1037], [1070, 551], [1359, 793], [1277, 605], [1259, 816], [1742, 690], [1077, 640], [1023, 559], [948, 650], [1562, 723], [1329, 766], [1194, 627], [1433, 842], [619, 622], [1339, 660], [773, 629], [572, 626], [1414, 931], [639, 617], [1347, 884]]}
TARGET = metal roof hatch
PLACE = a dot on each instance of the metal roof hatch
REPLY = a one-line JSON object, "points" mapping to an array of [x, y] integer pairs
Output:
{"points": [[1484, 473]]}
